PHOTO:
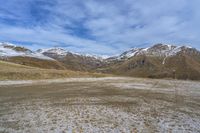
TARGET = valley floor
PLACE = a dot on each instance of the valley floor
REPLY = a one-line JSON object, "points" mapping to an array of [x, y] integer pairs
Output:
{"points": [[111, 105]]}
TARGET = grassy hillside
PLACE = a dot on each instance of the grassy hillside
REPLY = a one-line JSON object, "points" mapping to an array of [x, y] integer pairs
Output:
{"points": [[140, 66], [35, 62], [77, 62], [179, 67], [12, 71]]}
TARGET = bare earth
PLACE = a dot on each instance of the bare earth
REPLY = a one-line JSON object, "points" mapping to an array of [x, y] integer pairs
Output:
{"points": [[92, 105]]}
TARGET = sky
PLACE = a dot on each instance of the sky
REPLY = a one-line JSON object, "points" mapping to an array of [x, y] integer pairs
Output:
{"points": [[101, 27]]}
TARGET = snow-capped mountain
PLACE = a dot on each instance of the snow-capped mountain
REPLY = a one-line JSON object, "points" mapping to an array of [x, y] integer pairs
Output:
{"points": [[157, 61], [11, 50], [158, 50], [63, 52], [72, 60], [58, 58], [56, 51]]}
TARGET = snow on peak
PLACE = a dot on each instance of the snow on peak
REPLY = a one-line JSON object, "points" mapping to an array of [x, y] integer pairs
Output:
{"points": [[11, 50], [133, 52], [163, 50], [63, 52], [7, 44], [129, 53], [99, 57], [57, 51]]}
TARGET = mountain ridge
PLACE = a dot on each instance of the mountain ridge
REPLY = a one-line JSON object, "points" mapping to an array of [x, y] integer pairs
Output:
{"points": [[157, 61], [11, 50], [129, 53], [155, 50]]}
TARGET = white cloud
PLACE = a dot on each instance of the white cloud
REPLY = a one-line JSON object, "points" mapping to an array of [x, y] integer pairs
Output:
{"points": [[101, 27]]}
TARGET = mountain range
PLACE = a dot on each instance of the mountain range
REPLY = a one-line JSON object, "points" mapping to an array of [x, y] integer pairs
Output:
{"points": [[157, 61]]}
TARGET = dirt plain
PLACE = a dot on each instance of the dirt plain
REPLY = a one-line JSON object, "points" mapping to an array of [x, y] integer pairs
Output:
{"points": [[91, 105]]}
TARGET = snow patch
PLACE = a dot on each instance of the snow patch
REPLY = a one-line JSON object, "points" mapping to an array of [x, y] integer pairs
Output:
{"points": [[5, 51], [161, 50], [57, 51], [63, 52]]}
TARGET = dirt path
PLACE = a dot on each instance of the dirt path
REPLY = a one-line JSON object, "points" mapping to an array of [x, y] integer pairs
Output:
{"points": [[63, 80]]}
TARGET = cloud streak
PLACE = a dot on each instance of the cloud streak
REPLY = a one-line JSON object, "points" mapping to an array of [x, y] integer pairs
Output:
{"points": [[99, 27]]}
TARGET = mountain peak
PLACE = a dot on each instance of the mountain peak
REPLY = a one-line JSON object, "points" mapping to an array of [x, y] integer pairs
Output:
{"points": [[57, 51], [11, 50], [13, 47], [63, 52], [6, 44], [163, 46], [159, 49]]}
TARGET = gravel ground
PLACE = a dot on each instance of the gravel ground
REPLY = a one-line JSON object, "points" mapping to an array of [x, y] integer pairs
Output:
{"points": [[90, 105]]}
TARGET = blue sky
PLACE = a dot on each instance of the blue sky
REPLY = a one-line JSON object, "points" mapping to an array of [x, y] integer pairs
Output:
{"points": [[103, 27]]}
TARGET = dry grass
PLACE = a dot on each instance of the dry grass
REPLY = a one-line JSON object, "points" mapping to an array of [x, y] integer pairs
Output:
{"points": [[35, 62], [11, 71]]}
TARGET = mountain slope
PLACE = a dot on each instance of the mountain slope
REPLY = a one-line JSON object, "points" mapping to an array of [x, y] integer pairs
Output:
{"points": [[11, 50], [24, 56], [158, 61], [73, 61], [12, 71], [35, 62]]}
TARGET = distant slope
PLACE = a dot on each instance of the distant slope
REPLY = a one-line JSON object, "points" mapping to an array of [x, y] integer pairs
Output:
{"points": [[73, 61], [11, 50], [52, 58], [21, 55], [11, 71]]}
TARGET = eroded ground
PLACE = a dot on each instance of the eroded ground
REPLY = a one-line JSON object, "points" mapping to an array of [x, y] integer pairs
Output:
{"points": [[111, 105]]}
